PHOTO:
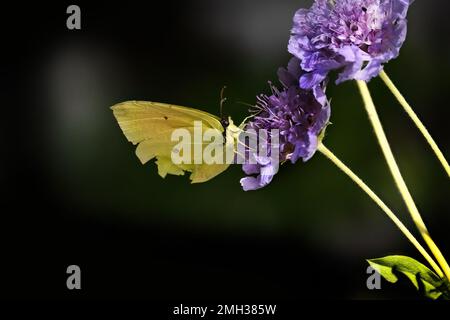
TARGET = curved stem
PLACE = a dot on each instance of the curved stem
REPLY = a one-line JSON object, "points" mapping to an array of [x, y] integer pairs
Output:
{"points": [[326, 152], [395, 171], [416, 120]]}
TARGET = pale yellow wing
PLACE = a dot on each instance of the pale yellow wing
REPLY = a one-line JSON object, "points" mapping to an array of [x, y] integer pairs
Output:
{"points": [[150, 125]]}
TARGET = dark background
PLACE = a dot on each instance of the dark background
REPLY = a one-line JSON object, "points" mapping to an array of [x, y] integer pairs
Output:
{"points": [[74, 192]]}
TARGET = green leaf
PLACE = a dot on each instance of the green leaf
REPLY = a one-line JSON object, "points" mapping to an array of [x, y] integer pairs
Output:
{"points": [[425, 280]]}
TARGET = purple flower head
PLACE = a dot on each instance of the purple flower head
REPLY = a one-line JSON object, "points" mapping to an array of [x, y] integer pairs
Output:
{"points": [[298, 116], [354, 36]]}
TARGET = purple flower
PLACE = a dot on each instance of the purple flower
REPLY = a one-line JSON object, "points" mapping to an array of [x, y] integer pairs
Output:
{"points": [[298, 116], [354, 36], [260, 174]]}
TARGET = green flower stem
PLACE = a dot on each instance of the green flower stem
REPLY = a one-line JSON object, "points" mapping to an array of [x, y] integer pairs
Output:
{"points": [[399, 181], [327, 153], [416, 120]]}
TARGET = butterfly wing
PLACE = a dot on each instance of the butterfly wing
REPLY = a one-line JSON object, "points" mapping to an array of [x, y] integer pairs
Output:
{"points": [[150, 126]]}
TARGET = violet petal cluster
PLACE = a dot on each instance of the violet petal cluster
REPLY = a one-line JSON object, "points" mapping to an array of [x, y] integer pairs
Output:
{"points": [[354, 36], [260, 174], [300, 118]]}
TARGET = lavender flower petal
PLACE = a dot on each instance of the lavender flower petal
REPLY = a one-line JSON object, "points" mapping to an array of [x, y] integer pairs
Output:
{"points": [[355, 37]]}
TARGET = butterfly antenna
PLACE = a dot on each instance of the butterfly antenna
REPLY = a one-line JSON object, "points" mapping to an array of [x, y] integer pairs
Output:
{"points": [[222, 100]]}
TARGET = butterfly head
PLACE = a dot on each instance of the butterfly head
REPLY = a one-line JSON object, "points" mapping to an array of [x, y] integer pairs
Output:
{"points": [[225, 122]]}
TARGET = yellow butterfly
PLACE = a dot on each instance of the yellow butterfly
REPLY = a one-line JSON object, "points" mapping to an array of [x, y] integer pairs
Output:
{"points": [[150, 125]]}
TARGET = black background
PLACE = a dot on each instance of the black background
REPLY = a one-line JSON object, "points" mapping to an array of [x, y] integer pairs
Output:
{"points": [[45, 227]]}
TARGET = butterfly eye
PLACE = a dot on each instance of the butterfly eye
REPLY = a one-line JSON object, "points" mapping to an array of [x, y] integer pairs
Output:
{"points": [[224, 122]]}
